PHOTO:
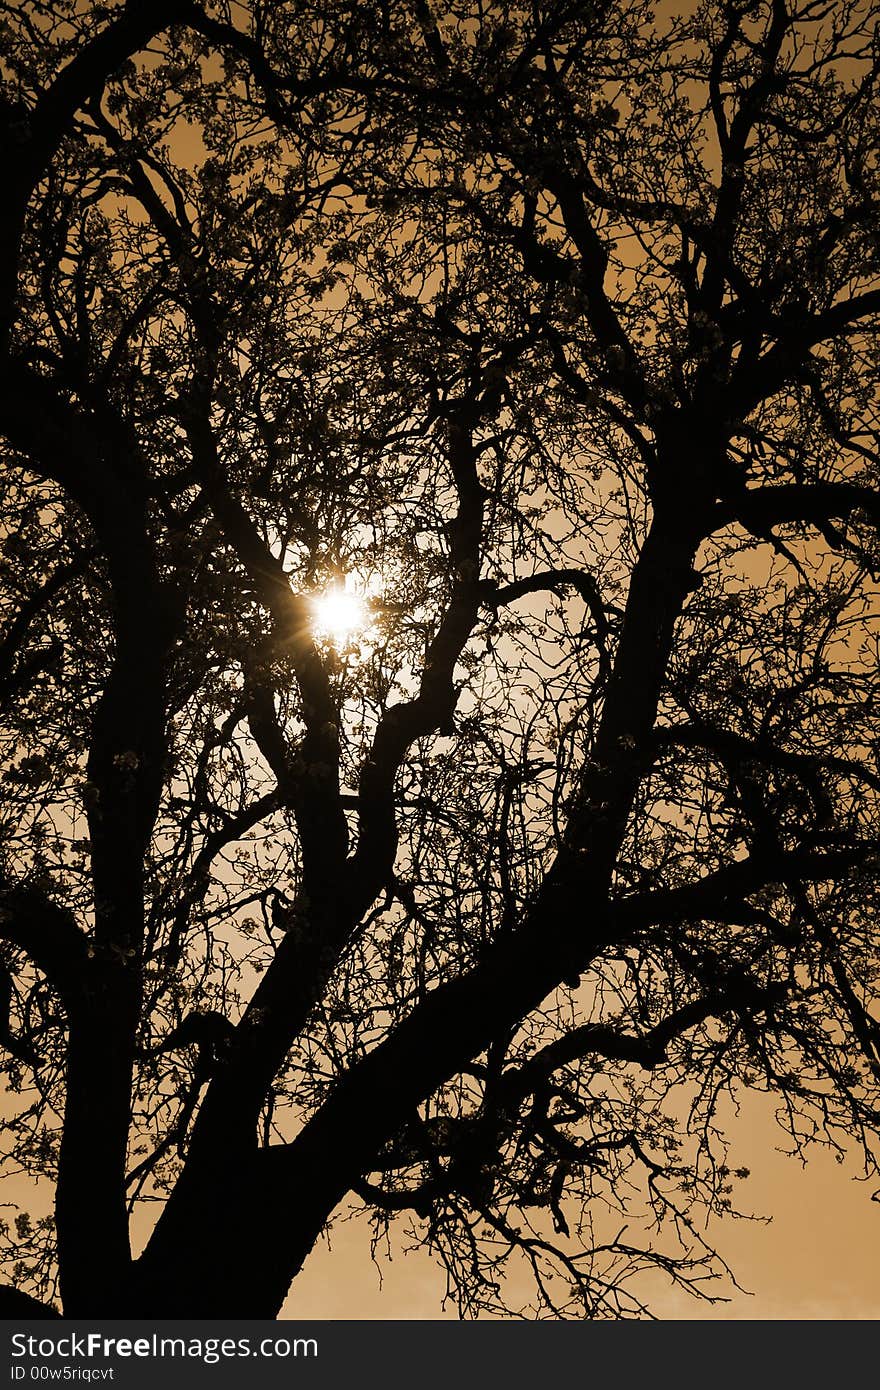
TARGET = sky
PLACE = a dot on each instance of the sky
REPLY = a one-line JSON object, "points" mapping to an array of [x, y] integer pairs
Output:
{"points": [[817, 1259]]}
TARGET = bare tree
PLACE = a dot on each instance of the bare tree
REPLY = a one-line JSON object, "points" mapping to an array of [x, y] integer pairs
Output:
{"points": [[440, 672]]}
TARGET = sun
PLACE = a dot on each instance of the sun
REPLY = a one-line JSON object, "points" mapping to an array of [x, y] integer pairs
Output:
{"points": [[337, 614]]}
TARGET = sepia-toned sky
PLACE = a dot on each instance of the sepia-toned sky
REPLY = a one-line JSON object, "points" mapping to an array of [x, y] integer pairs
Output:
{"points": [[817, 1259]]}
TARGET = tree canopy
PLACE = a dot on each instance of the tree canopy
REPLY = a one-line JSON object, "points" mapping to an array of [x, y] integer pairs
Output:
{"points": [[439, 681]]}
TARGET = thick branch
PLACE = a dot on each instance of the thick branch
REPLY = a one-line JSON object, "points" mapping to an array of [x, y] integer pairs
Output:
{"points": [[734, 748], [557, 581], [433, 708], [48, 934], [714, 892], [761, 508], [647, 1051]]}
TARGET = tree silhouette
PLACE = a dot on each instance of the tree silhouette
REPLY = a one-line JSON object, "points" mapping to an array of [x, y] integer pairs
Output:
{"points": [[440, 677]]}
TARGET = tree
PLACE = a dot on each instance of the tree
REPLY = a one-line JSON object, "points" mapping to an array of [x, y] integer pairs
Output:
{"points": [[440, 683]]}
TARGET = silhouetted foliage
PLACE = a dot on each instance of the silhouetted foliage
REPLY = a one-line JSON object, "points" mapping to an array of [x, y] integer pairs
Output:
{"points": [[547, 334]]}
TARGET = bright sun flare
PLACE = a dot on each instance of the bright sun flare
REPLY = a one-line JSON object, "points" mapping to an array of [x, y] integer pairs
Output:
{"points": [[337, 614]]}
